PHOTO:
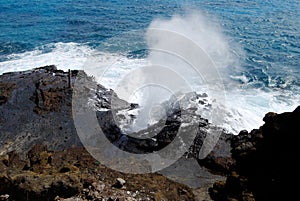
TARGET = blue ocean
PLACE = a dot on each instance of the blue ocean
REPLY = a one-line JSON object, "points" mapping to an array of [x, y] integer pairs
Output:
{"points": [[254, 45]]}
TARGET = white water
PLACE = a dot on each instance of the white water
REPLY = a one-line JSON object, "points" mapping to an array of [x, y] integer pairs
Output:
{"points": [[64, 55], [243, 107]]}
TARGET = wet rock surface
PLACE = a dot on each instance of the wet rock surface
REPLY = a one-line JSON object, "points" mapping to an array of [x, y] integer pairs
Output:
{"points": [[182, 122]]}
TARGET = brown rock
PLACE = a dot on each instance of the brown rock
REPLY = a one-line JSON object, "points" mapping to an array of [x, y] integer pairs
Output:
{"points": [[73, 174], [5, 91]]}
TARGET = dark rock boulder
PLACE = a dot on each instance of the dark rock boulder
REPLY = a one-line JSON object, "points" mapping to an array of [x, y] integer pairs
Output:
{"points": [[267, 161]]}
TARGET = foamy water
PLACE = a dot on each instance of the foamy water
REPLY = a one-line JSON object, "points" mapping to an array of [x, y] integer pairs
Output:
{"points": [[244, 108], [172, 45], [64, 55]]}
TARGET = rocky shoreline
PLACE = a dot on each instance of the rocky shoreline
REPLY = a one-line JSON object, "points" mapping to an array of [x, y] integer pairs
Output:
{"points": [[42, 157]]}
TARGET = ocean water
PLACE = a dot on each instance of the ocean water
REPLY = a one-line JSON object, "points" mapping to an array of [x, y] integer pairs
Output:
{"points": [[254, 46]]}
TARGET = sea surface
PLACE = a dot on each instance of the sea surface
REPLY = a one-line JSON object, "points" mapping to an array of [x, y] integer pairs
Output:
{"points": [[254, 45]]}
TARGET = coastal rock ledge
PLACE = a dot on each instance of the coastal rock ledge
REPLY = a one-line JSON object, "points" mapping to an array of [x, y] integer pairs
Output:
{"points": [[42, 157]]}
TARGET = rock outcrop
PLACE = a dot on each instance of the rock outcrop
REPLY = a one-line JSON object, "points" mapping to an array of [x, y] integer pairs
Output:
{"points": [[267, 161], [42, 157], [36, 109]]}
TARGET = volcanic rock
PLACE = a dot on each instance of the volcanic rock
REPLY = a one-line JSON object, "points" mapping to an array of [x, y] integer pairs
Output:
{"points": [[43, 158], [267, 162]]}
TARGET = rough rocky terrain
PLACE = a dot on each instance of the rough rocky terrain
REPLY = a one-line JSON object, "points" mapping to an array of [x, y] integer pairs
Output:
{"points": [[43, 158], [36, 108], [74, 174], [267, 162]]}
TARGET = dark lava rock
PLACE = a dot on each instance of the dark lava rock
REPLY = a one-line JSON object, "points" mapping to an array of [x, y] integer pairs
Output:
{"points": [[219, 160], [37, 128], [267, 161], [36, 109]]}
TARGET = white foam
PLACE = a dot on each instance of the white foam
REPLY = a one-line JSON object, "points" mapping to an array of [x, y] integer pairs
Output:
{"points": [[110, 69], [244, 107], [247, 107], [64, 55]]}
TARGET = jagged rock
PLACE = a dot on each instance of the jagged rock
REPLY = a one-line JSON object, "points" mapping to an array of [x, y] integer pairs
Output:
{"points": [[36, 112], [267, 161], [180, 116], [40, 112]]}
